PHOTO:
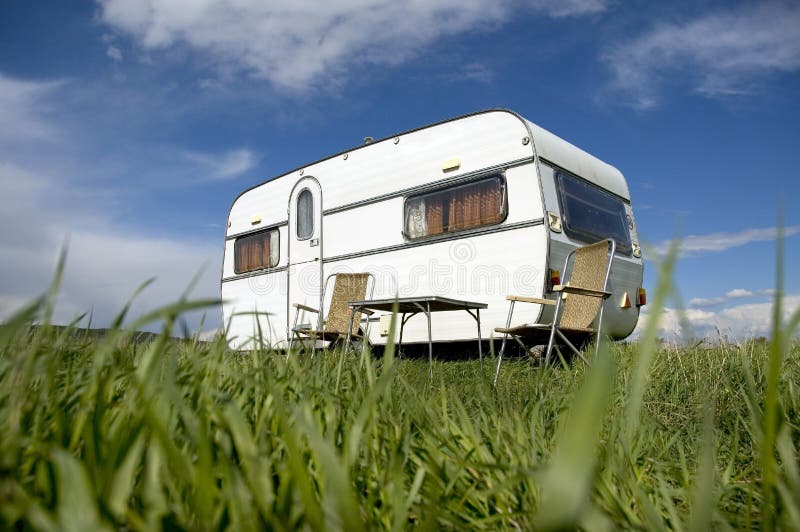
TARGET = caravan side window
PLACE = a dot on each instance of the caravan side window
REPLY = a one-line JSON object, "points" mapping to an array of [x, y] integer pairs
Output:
{"points": [[305, 214], [456, 208], [591, 213], [256, 251]]}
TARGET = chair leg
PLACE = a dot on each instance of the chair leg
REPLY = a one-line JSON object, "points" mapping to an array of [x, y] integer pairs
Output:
{"points": [[292, 332], [349, 340], [500, 360], [552, 332], [599, 331], [505, 340], [550, 344], [571, 346]]}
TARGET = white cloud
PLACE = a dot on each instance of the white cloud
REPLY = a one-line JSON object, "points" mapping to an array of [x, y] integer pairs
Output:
{"points": [[694, 245], [105, 263], [114, 53], [736, 293], [706, 301], [721, 53], [42, 206], [571, 8], [470, 72], [228, 165], [103, 270], [24, 110], [744, 320], [10, 304], [294, 44]]}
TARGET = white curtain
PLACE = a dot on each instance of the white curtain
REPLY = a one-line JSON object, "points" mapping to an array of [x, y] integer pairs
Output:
{"points": [[416, 223], [274, 248]]}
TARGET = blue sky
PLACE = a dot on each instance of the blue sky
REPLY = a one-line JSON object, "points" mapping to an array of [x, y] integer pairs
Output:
{"points": [[129, 126]]}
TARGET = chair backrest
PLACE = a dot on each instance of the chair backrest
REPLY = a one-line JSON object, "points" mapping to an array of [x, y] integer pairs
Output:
{"points": [[590, 269], [346, 287]]}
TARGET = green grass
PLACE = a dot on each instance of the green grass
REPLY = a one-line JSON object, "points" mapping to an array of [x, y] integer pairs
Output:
{"points": [[113, 433], [195, 436]]}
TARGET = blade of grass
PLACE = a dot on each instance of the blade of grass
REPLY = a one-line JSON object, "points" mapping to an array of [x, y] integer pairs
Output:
{"points": [[77, 506], [567, 482]]}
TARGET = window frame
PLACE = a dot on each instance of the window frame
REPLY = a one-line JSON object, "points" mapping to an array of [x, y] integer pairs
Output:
{"points": [[438, 189], [277, 247], [581, 234], [297, 215]]}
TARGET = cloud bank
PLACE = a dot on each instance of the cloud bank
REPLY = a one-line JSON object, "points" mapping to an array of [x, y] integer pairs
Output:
{"points": [[224, 166], [24, 110], [295, 44], [745, 320], [722, 53], [105, 262], [736, 293], [694, 245], [43, 207]]}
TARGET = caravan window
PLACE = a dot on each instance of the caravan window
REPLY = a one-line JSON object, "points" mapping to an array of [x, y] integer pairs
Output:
{"points": [[592, 214], [256, 251], [305, 214], [457, 208]]}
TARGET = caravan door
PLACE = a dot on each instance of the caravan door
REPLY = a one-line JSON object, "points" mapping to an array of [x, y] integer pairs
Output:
{"points": [[305, 251]]}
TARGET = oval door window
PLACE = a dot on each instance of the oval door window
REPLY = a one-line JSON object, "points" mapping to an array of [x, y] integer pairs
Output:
{"points": [[305, 214]]}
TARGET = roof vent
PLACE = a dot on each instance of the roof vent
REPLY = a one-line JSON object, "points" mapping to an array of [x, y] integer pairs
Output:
{"points": [[368, 140]]}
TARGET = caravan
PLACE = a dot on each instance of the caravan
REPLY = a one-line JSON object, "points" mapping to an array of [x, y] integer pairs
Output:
{"points": [[472, 208]]}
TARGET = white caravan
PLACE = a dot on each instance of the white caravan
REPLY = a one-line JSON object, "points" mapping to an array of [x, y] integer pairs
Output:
{"points": [[473, 208]]}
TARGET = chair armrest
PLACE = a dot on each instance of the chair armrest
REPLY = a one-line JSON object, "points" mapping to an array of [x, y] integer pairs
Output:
{"points": [[306, 308], [525, 299], [580, 291]]}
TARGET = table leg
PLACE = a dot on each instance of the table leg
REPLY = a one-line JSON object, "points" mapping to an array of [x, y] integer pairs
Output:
{"points": [[402, 325], [430, 339], [477, 317], [480, 342], [406, 316]]}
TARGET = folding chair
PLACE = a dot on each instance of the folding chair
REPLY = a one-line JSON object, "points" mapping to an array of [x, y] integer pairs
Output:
{"points": [[346, 287], [578, 306]]}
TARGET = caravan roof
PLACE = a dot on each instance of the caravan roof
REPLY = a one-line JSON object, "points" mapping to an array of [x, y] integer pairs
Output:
{"points": [[569, 157], [546, 146]]}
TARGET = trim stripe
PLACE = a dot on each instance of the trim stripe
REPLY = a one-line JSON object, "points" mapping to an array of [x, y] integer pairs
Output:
{"points": [[433, 185], [257, 230], [405, 245], [437, 239], [256, 273], [419, 189]]}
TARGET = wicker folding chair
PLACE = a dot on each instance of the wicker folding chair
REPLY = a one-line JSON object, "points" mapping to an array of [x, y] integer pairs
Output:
{"points": [[346, 287], [578, 307]]}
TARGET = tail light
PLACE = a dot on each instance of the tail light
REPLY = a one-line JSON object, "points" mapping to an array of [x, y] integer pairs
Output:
{"points": [[555, 277], [642, 299]]}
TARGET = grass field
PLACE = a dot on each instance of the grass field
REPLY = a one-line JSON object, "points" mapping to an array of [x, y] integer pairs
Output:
{"points": [[105, 433]]}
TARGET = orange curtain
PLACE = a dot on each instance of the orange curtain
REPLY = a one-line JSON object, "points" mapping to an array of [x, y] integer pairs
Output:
{"points": [[491, 203], [251, 253], [463, 207], [474, 206], [434, 214]]}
